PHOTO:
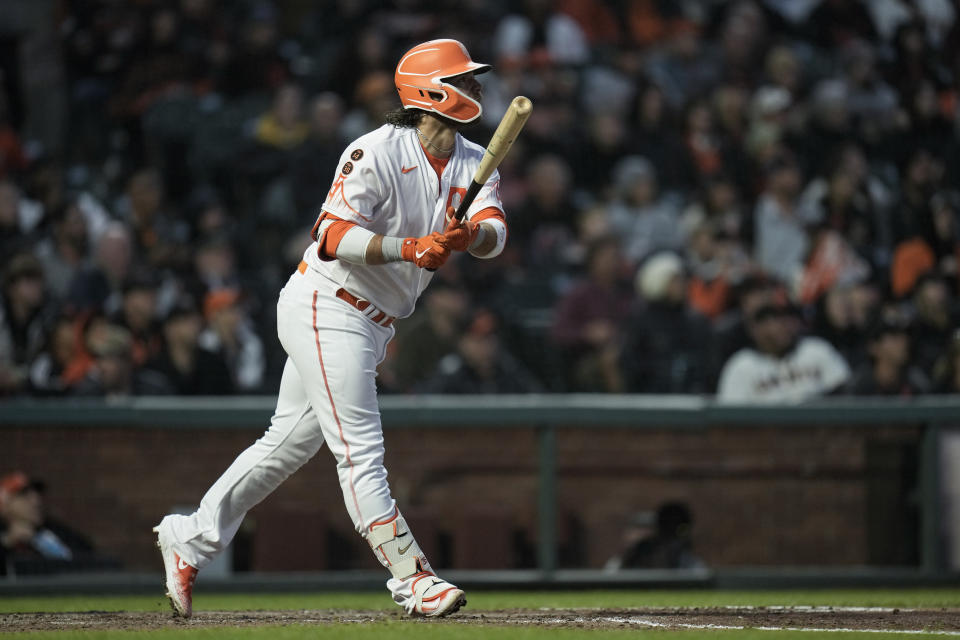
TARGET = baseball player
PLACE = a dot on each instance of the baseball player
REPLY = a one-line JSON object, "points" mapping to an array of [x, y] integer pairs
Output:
{"points": [[385, 225]]}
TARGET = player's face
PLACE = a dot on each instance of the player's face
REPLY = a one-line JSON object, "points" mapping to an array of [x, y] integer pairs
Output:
{"points": [[468, 84]]}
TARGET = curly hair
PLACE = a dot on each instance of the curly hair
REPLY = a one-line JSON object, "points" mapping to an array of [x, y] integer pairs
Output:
{"points": [[404, 118]]}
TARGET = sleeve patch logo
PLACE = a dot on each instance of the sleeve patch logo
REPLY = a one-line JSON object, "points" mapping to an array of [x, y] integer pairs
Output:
{"points": [[347, 168], [356, 154]]}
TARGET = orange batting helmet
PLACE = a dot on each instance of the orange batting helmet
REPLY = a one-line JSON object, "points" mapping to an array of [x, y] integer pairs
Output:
{"points": [[422, 75]]}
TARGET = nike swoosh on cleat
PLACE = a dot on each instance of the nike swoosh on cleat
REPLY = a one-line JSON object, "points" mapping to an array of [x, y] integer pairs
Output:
{"points": [[182, 565]]}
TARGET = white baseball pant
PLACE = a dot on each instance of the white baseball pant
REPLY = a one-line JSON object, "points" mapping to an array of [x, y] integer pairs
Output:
{"points": [[327, 394]]}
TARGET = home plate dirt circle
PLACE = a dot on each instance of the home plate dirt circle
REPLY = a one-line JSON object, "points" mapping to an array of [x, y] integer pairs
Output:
{"points": [[944, 622]]}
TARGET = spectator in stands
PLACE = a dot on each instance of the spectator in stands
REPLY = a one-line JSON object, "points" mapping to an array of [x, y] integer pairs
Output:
{"points": [[547, 226], [160, 240], [844, 316], [945, 208], [862, 94], [588, 322], [254, 63], [717, 263], [30, 540], [594, 160], [215, 262], [921, 176], [781, 366], [933, 322], [99, 286], [112, 373], [57, 369], [230, 334], [889, 371], [481, 364], [647, 221], [670, 546], [656, 140], [138, 315], [316, 159], [65, 253], [946, 373], [426, 337], [18, 220], [667, 344], [275, 136], [538, 34], [781, 241], [23, 320], [283, 127], [187, 368]]}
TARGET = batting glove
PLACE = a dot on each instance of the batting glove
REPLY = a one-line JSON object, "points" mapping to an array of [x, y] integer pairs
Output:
{"points": [[428, 252], [460, 234]]}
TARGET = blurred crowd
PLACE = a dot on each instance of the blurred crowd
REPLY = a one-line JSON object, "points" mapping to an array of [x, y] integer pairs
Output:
{"points": [[755, 197]]}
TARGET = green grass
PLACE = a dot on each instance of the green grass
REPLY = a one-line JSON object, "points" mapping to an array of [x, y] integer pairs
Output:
{"points": [[442, 631], [479, 601], [489, 600]]}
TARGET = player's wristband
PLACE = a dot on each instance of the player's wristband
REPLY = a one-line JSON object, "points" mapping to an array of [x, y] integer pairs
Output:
{"points": [[500, 229], [391, 249], [481, 236]]}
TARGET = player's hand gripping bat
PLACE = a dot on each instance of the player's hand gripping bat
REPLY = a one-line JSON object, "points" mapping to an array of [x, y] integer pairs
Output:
{"points": [[507, 131]]}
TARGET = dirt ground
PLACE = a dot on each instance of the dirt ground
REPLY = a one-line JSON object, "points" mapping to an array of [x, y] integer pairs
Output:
{"points": [[944, 620]]}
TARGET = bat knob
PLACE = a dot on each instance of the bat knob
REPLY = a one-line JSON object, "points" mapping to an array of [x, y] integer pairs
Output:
{"points": [[522, 105]]}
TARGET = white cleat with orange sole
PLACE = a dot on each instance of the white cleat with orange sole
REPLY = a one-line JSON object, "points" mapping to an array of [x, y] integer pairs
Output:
{"points": [[434, 597], [180, 577]]}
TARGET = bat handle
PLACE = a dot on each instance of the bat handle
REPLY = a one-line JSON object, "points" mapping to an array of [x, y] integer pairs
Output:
{"points": [[468, 199]]}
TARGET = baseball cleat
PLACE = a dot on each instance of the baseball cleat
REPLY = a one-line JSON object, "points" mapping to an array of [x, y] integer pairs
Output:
{"points": [[180, 577], [434, 597]]}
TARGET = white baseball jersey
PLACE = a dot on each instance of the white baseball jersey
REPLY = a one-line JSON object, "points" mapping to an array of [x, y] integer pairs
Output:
{"points": [[811, 369], [386, 184]]}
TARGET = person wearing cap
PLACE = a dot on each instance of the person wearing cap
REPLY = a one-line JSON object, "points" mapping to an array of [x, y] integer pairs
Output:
{"points": [[23, 320], [30, 541], [780, 366], [230, 334]]}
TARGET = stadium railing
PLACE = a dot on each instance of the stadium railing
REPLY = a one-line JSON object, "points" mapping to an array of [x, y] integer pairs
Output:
{"points": [[548, 413]]}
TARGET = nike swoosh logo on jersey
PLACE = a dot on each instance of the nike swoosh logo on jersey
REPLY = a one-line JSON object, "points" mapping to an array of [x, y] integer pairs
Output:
{"points": [[408, 170], [403, 550], [420, 254]]}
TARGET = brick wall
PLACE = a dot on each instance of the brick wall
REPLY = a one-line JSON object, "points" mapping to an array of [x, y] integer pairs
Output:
{"points": [[820, 495]]}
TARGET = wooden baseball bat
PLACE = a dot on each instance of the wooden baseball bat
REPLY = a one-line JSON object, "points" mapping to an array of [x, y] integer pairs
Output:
{"points": [[507, 131]]}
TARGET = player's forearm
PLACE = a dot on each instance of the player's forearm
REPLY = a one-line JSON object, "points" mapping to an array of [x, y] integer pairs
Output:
{"points": [[360, 246], [374, 253]]}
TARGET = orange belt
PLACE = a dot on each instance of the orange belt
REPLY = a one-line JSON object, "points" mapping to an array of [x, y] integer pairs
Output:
{"points": [[363, 306]]}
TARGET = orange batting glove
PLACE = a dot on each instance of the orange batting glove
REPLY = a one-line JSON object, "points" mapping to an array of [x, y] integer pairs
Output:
{"points": [[460, 234], [428, 252]]}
